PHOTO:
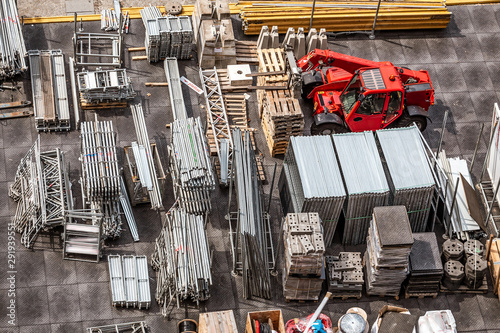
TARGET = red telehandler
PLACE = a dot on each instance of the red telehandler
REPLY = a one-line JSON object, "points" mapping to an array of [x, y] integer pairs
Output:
{"points": [[354, 94]]}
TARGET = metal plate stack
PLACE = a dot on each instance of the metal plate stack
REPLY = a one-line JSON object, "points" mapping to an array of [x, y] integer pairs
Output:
{"points": [[311, 181], [426, 269], [473, 247], [304, 249], [398, 322], [170, 36], [453, 249], [475, 271], [454, 274], [345, 274], [129, 279], [50, 95], [388, 249], [408, 172], [181, 260], [190, 166], [365, 182]]}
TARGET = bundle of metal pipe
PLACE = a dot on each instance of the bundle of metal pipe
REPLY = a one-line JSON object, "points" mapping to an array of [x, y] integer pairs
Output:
{"points": [[190, 166], [174, 88], [100, 174], [182, 260], [110, 21], [311, 181], [148, 168], [12, 48], [252, 229], [169, 36], [409, 173], [105, 86], [365, 182], [42, 191]]}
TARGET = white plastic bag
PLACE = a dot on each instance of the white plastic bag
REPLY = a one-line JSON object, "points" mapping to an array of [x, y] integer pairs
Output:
{"points": [[437, 322]]}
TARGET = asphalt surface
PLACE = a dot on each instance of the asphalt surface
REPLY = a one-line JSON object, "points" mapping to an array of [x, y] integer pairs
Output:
{"points": [[54, 295]]}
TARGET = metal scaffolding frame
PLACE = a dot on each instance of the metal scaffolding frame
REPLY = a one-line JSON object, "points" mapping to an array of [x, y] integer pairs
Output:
{"points": [[218, 121], [12, 47], [174, 89], [82, 241], [50, 95], [105, 86], [134, 327]]}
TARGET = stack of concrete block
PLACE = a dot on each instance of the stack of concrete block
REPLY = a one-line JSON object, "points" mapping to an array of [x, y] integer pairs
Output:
{"points": [[268, 39], [345, 274], [304, 256], [214, 34], [302, 44]]}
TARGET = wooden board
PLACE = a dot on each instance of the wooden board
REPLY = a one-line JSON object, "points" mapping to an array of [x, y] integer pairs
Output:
{"points": [[493, 257], [217, 322]]}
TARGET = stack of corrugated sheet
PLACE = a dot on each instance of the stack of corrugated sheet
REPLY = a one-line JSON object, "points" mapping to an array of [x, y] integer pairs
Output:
{"points": [[214, 34], [50, 95], [182, 260], [129, 279], [345, 274], [388, 249], [280, 112], [344, 15], [304, 256], [365, 182], [408, 172], [311, 181], [170, 36], [426, 269], [191, 169]]}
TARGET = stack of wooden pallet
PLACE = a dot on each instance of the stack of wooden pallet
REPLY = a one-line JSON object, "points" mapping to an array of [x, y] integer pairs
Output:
{"points": [[493, 257], [345, 16], [345, 275], [304, 256], [280, 112]]}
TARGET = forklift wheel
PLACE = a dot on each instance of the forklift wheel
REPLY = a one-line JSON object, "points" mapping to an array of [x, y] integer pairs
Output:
{"points": [[420, 121], [327, 129]]}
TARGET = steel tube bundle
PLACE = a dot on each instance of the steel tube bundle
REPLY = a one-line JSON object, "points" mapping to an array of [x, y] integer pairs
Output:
{"points": [[147, 167], [311, 181], [174, 88], [42, 192], [190, 166], [252, 230], [182, 260], [12, 48], [409, 174], [100, 174], [365, 182]]}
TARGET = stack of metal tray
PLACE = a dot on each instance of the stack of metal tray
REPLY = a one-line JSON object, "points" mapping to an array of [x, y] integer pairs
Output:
{"points": [[426, 269], [388, 249]]}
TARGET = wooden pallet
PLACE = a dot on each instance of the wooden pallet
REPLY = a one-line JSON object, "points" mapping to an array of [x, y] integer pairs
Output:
{"points": [[275, 147], [225, 86], [382, 296], [288, 300], [420, 295], [463, 289], [272, 60], [246, 52], [347, 296], [493, 258], [100, 106]]}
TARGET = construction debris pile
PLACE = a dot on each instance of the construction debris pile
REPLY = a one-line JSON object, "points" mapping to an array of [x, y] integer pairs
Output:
{"points": [[50, 95], [169, 36], [214, 36], [190, 166], [364, 180], [281, 114], [345, 274], [426, 269], [388, 247], [402, 149], [12, 48], [344, 16], [304, 256], [42, 191], [252, 239], [151, 177], [104, 86], [181, 260], [311, 181], [100, 176], [129, 279]]}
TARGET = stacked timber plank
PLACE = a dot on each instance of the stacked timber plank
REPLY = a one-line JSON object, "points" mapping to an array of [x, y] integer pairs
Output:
{"points": [[426, 269], [304, 249], [217, 322], [345, 275], [388, 248], [311, 181], [345, 16], [214, 34], [493, 257], [246, 52], [280, 112]]}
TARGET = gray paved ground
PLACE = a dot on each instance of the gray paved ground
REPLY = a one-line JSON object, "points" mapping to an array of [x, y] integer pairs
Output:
{"points": [[64, 296]]}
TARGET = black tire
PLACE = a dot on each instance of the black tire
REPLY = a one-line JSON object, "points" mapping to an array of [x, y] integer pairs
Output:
{"points": [[407, 121], [306, 90], [327, 129]]}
